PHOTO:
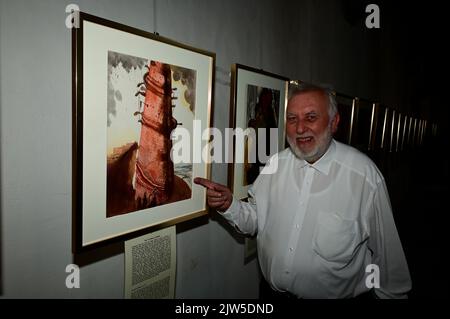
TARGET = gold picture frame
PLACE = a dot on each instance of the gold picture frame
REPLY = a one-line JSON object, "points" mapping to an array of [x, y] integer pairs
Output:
{"points": [[125, 183]]}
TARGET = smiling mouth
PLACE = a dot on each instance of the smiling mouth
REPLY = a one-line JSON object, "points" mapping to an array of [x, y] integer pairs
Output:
{"points": [[304, 139]]}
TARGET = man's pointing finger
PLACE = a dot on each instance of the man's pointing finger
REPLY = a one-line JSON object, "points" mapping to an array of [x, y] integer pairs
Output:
{"points": [[204, 182]]}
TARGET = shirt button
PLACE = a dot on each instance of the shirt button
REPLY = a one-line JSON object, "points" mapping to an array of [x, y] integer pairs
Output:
{"points": [[291, 249], [287, 271]]}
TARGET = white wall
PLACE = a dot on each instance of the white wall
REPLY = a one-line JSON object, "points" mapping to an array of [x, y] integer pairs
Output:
{"points": [[304, 40]]}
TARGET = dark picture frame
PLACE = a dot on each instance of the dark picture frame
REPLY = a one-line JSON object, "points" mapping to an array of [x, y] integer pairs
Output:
{"points": [[257, 98], [125, 110], [346, 109], [362, 124]]}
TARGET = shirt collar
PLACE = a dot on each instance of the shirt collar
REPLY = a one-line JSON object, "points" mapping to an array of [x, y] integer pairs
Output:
{"points": [[323, 164]]}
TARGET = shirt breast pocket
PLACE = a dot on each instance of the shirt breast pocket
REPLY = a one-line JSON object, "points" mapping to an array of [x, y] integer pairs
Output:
{"points": [[335, 238]]}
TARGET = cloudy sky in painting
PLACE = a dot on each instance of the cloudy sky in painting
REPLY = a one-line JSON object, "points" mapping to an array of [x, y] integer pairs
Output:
{"points": [[124, 74]]}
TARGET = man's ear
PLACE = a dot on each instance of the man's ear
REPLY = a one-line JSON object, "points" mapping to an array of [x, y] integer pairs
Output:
{"points": [[335, 123]]}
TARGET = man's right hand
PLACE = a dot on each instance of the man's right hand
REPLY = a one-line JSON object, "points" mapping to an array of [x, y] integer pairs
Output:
{"points": [[219, 196]]}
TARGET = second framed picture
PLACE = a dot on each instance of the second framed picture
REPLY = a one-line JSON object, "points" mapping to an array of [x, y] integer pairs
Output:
{"points": [[362, 125], [258, 105], [346, 108]]}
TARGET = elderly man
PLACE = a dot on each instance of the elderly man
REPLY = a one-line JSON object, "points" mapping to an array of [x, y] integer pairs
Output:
{"points": [[323, 220]]}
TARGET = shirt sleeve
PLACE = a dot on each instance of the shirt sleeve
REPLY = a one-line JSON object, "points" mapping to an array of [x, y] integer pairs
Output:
{"points": [[242, 215], [388, 255]]}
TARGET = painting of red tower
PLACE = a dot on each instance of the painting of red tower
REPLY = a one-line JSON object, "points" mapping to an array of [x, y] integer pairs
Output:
{"points": [[140, 172]]}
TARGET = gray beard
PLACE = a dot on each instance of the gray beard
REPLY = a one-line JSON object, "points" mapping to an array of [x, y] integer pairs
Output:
{"points": [[317, 152]]}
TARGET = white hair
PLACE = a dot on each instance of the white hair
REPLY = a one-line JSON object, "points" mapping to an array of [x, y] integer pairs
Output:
{"points": [[296, 88]]}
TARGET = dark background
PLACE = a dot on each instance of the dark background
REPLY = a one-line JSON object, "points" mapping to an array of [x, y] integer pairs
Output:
{"points": [[413, 61]]}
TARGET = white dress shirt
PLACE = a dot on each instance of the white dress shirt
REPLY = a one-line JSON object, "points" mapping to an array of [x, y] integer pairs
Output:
{"points": [[320, 225]]}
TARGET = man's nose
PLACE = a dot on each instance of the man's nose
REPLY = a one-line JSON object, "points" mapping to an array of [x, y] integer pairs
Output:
{"points": [[301, 127]]}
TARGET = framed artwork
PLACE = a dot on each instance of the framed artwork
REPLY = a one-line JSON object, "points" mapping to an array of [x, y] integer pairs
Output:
{"points": [[411, 132], [398, 136], [421, 132], [392, 136], [404, 131], [379, 127], [417, 133], [258, 104], [133, 91], [363, 124], [424, 132], [346, 109], [386, 116], [375, 125]]}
